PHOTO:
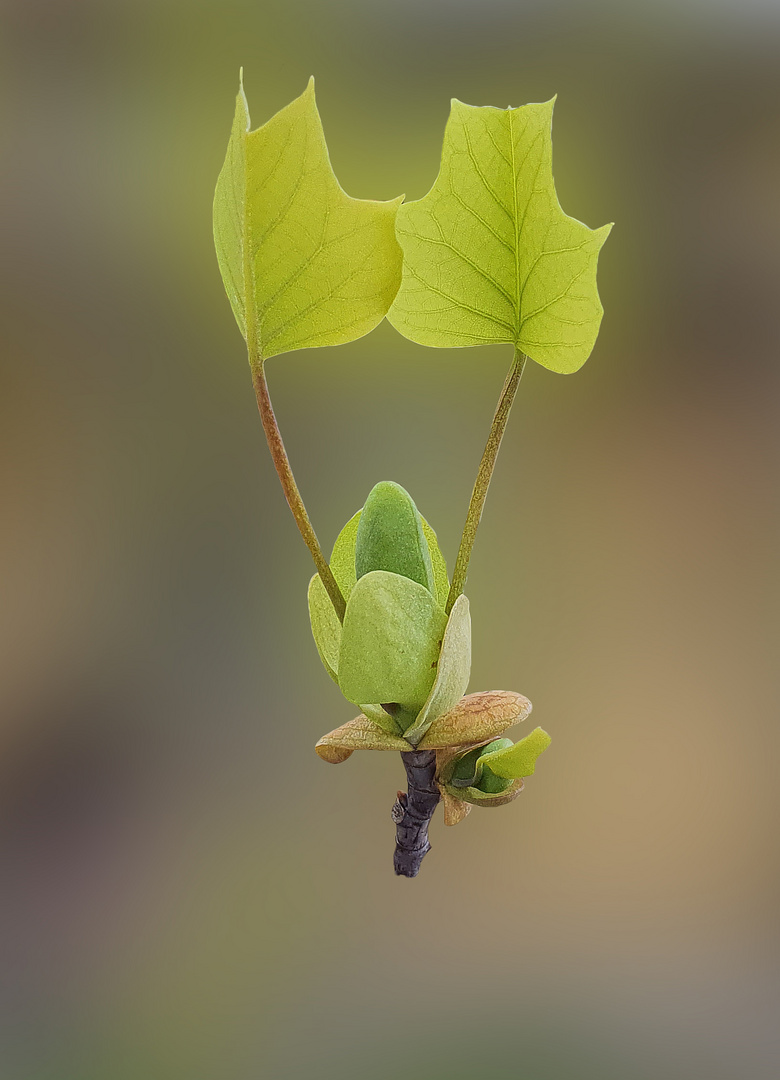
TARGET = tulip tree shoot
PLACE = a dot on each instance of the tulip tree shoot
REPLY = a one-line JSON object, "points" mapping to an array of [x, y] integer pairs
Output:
{"points": [[487, 256]]}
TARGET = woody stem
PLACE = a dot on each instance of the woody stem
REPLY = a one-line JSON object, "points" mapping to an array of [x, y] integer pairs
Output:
{"points": [[413, 811]]}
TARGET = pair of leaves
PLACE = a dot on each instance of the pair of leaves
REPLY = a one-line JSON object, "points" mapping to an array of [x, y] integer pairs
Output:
{"points": [[476, 718], [488, 255], [474, 722]]}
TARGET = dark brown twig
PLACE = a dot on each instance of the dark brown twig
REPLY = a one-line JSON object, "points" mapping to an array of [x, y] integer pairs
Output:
{"points": [[413, 811]]}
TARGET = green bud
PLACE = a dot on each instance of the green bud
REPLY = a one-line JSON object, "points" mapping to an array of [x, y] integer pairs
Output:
{"points": [[470, 769], [390, 537], [465, 768], [489, 782], [519, 760], [497, 744]]}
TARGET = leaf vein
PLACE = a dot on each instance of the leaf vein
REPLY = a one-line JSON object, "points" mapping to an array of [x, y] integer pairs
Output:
{"points": [[460, 303]]}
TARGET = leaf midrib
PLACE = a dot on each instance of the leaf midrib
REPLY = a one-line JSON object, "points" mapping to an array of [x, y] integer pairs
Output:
{"points": [[515, 223], [250, 308]]}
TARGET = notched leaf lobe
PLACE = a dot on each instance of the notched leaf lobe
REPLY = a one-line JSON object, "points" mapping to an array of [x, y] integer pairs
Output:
{"points": [[489, 255], [303, 263]]}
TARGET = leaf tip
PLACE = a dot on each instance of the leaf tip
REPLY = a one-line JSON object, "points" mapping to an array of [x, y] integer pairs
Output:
{"points": [[241, 100], [550, 106], [456, 103]]}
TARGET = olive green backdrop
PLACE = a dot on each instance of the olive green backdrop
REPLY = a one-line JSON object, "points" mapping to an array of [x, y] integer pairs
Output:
{"points": [[186, 890]]}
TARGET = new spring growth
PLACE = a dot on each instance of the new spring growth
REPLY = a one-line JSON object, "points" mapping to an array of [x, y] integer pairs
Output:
{"points": [[487, 256], [407, 665], [397, 655]]}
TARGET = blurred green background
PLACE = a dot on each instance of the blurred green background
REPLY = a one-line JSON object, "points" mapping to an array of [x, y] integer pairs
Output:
{"points": [[186, 890]]}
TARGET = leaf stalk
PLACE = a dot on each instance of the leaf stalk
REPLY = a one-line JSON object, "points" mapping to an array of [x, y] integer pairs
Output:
{"points": [[289, 486], [484, 474]]}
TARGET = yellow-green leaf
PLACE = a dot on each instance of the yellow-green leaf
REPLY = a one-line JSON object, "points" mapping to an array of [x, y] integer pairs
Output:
{"points": [[342, 559], [325, 627], [302, 262], [440, 578], [489, 255], [518, 760]]}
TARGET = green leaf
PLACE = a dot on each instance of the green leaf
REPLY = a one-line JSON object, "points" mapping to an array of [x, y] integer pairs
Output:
{"points": [[520, 759], [342, 559], [381, 718], [326, 630], [489, 255], [390, 641], [303, 263], [325, 626], [390, 536], [452, 676]]}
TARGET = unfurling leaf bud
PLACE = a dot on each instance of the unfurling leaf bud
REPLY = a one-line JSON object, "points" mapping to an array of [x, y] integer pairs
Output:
{"points": [[472, 769], [390, 536], [491, 774], [489, 782]]}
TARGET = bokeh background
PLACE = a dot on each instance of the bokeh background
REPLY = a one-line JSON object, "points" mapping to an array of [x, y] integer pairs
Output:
{"points": [[186, 890]]}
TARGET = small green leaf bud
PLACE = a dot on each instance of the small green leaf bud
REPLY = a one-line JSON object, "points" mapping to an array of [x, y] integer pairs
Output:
{"points": [[497, 744], [465, 768], [489, 782], [390, 536]]}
